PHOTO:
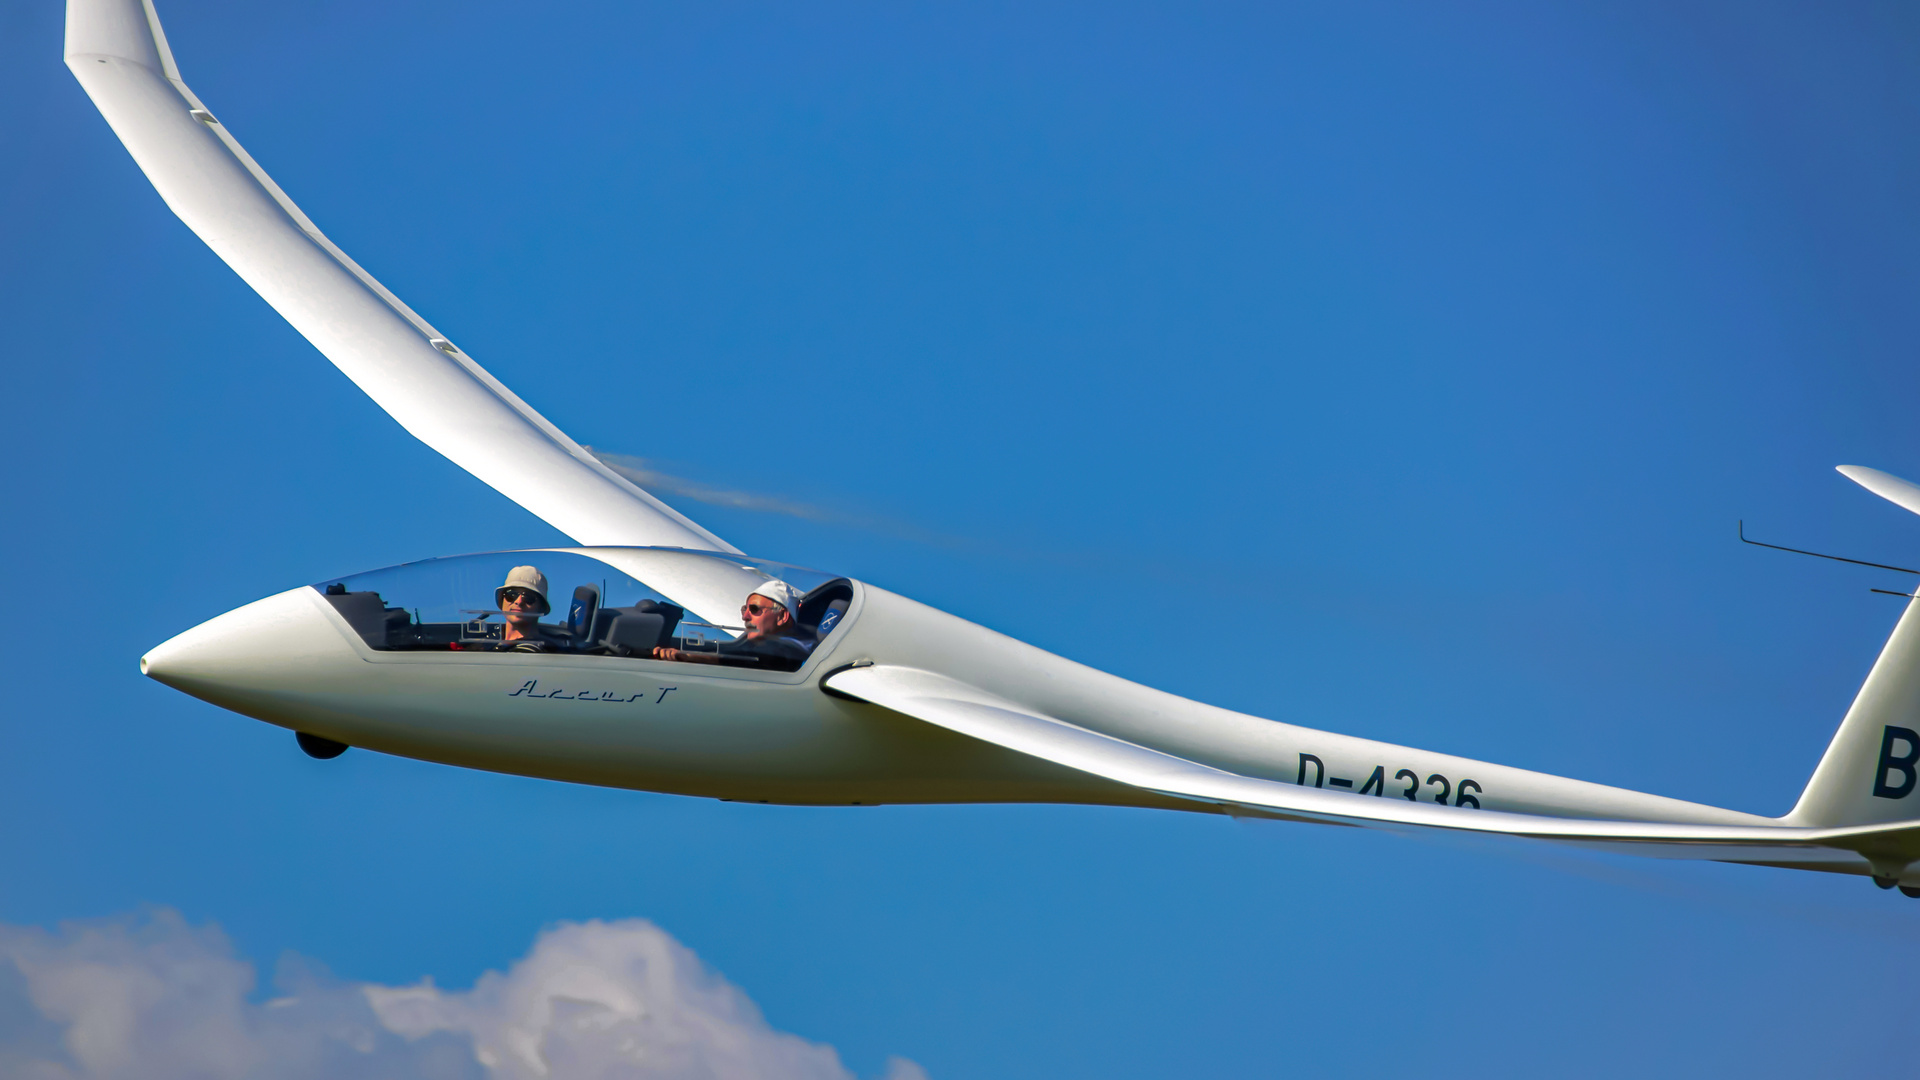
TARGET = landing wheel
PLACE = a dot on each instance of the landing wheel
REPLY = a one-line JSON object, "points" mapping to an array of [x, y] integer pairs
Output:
{"points": [[1883, 882], [1910, 890], [326, 749]]}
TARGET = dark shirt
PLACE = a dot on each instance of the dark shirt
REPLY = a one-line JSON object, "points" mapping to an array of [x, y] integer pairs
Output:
{"points": [[539, 638], [769, 653]]}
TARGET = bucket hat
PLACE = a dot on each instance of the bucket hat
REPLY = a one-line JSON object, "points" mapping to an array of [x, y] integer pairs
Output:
{"points": [[528, 578]]}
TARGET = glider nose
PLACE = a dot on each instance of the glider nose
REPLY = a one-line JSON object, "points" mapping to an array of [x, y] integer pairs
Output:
{"points": [[253, 654]]}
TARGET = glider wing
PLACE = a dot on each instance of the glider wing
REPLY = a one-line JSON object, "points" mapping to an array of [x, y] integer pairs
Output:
{"points": [[413, 371], [956, 706], [1902, 493]]}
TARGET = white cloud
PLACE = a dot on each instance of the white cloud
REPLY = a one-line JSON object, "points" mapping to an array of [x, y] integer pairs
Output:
{"points": [[155, 998]]}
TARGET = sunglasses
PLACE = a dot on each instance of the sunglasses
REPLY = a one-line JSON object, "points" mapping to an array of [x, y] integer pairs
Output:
{"points": [[760, 609], [519, 596]]}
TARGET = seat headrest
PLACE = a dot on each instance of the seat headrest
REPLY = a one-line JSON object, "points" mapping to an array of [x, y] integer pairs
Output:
{"points": [[586, 601], [832, 617]]}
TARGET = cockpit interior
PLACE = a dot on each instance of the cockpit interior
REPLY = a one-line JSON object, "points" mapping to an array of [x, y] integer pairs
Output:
{"points": [[611, 602]]}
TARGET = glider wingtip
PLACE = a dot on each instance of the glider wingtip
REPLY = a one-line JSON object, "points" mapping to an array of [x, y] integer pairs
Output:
{"points": [[1865, 475], [1900, 492], [123, 29], [1868, 477]]}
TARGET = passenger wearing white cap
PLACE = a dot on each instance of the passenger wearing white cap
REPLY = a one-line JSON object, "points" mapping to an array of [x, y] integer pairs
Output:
{"points": [[524, 599], [774, 637]]}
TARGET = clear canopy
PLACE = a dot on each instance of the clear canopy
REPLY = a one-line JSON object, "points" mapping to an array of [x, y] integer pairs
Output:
{"points": [[597, 601]]}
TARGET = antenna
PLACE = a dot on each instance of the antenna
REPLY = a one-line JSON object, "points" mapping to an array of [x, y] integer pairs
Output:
{"points": [[1835, 558]]}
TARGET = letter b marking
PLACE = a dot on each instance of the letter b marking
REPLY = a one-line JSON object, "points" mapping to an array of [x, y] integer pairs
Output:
{"points": [[1902, 764]]}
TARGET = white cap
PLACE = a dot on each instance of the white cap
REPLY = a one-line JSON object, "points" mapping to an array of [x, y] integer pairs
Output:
{"points": [[780, 593], [530, 579]]}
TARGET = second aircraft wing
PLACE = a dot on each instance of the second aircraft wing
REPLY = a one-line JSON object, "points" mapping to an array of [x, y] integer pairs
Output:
{"points": [[956, 706], [413, 371]]}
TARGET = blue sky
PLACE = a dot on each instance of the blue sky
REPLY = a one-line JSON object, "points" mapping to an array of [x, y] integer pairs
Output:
{"points": [[1399, 369]]}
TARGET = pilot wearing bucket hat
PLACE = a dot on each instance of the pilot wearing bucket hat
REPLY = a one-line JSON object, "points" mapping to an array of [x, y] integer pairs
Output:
{"points": [[524, 598], [774, 638]]}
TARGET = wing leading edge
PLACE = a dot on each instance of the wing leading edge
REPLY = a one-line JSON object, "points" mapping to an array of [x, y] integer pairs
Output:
{"points": [[435, 391], [956, 706]]}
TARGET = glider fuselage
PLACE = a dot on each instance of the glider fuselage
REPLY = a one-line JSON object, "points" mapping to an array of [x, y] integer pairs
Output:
{"points": [[771, 736]]}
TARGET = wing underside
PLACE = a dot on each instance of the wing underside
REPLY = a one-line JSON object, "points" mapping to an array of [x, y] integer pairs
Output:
{"points": [[948, 703], [429, 385]]}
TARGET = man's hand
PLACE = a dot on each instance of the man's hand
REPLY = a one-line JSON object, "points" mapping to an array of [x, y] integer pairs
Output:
{"points": [[663, 653]]}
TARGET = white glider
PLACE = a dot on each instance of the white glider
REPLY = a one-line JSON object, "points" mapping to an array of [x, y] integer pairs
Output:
{"points": [[654, 682]]}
